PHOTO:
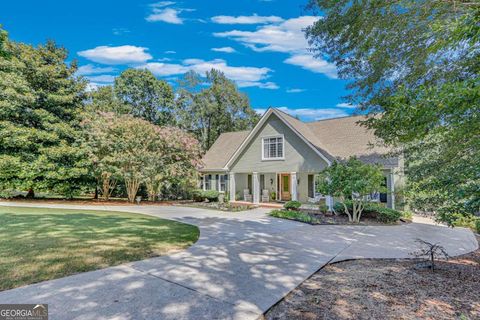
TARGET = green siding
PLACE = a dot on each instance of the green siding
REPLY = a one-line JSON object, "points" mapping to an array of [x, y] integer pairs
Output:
{"points": [[299, 157]]}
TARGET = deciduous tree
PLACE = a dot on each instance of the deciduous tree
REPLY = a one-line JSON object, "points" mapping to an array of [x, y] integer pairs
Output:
{"points": [[147, 97], [351, 180], [209, 112], [415, 63]]}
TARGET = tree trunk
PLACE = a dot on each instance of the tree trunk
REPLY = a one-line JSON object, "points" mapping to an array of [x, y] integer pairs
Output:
{"points": [[108, 184], [132, 185], [95, 196], [30, 193]]}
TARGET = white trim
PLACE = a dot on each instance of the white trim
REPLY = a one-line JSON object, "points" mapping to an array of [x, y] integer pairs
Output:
{"points": [[293, 186], [232, 190], [392, 188], [259, 125], [283, 147], [255, 187], [306, 141]]}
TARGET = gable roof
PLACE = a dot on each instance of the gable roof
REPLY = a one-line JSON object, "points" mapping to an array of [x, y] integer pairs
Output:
{"points": [[332, 139], [222, 150]]}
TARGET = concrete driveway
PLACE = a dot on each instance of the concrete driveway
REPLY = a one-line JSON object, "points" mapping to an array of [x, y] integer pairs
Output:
{"points": [[242, 265]]}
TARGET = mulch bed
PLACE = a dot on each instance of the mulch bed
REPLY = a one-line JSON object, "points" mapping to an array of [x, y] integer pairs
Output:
{"points": [[92, 202], [387, 289], [322, 218], [227, 207]]}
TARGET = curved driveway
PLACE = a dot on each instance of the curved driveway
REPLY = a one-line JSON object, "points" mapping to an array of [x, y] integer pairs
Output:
{"points": [[242, 265]]}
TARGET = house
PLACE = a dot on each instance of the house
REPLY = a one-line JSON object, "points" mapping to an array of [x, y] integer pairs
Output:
{"points": [[278, 160]]}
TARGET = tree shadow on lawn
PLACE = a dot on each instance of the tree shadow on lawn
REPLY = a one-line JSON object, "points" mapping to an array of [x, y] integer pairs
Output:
{"points": [[43, 246]]}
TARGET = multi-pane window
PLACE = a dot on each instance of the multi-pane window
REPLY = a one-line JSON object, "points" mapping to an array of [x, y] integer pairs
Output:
{"points": [[207, 181], [273, 148], [222, 183]]}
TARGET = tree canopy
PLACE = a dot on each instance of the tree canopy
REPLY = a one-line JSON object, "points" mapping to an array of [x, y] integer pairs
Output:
{"points": [[209, 112], [40, 100], [414, 64], [351, 180], [139, 152], [148, 97]]}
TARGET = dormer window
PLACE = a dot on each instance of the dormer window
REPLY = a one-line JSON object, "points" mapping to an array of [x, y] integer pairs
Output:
{"points": [[273, 148]]}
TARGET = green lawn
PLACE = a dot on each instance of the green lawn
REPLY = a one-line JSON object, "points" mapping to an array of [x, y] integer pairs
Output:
{"points": [[39, 244]]}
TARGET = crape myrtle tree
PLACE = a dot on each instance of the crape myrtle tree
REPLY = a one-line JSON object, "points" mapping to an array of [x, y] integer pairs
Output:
{"points": [[137, 151], [209, 111], [351, 180], [415, 63], [40, 101]]}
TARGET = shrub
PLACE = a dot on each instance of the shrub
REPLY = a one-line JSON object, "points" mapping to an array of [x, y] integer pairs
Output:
{"points": [[197, 195], [210, 195], [477, 225], [339, 208], [407, 215], [292, 205], [323, 208], [388, 215], [292, 215], [466, 221]]}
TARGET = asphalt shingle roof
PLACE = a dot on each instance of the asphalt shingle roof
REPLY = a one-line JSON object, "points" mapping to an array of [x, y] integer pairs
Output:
{"points": [[338, 138]]}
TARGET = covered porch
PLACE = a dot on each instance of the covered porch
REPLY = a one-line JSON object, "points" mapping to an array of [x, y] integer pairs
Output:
{"points": [[273, 188]]}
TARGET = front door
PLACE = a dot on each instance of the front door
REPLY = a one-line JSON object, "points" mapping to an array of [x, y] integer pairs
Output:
{"points": [[285, 194]]}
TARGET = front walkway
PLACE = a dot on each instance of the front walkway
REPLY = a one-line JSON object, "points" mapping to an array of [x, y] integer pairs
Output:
{"points": [[243, 264]]}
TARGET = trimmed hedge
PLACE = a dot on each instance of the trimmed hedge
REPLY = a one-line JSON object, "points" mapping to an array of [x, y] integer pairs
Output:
{"points": [[292, 215], [292, 205], [372, 209], [199, 195], [388, 215]]}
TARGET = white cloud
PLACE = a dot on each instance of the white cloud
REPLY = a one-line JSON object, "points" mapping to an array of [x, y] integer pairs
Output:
{"points": [[120, 31], [295, 90], [310, 114], [243, 76], [91, 69], [262, 85], [126, 54], [309, 62], [104, 78], [284, 37], [162, 4], [287, 37], [170, 52], [346, 105], [224, 49], [253, 19], [168, 15], [161, 11]]}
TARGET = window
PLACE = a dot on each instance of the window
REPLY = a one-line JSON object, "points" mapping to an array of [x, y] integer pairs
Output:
{"points": [[311, 186], [272, 148], [222, 183], [208, 179], [262, 182]]}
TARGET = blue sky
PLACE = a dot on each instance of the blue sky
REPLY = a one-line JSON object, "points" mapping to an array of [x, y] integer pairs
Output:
{"points": [[258, 44]]}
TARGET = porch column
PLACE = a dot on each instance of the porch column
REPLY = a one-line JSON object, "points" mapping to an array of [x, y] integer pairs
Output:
{"points": [[329, 202], [392, 189], [204, 177], [256, 188], [293, 178], [232, 186]]}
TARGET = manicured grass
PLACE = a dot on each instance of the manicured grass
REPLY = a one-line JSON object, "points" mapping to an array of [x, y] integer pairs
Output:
{"points": [[39, 244], [293, 215]]}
